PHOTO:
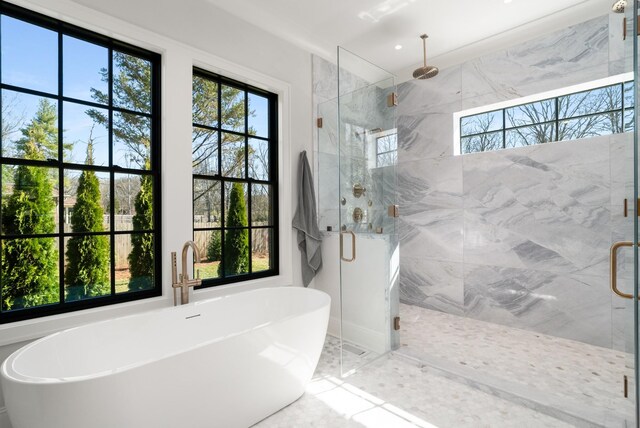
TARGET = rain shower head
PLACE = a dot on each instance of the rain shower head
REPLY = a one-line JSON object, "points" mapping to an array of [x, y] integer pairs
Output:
{"points": [[619, 6], [427, 71]]}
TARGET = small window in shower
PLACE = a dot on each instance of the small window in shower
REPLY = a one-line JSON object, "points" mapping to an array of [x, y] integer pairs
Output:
{"points": [[235, 188], [593, 109], [386, 150]]}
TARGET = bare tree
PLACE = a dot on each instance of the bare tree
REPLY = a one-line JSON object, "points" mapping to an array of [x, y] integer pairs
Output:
{"points": [[482, 139], [571, 117]]}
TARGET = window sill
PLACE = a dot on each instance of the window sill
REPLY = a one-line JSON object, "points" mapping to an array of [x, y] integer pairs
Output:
{"points": [[36, 328]]}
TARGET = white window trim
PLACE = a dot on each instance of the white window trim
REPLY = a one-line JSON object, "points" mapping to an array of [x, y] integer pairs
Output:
{"points": [[581, 87]]}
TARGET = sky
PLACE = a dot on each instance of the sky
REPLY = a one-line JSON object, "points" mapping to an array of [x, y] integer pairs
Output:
{"points": [[29, 59]]}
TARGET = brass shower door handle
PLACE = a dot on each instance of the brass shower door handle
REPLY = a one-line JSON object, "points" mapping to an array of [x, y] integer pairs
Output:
{"points": [[613, 268], [353, 245]]}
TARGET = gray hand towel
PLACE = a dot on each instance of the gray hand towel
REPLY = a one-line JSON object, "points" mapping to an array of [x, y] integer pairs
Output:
{"points": [[306, 222]]}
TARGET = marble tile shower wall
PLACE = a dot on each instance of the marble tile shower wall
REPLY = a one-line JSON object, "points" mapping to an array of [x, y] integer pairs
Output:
{"points": [[360, 111], [518, 236]]}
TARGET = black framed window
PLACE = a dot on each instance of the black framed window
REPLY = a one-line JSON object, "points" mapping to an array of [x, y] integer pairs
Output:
{"points": [[387, 150], [80, 158], [599, 111], [235, 179]]}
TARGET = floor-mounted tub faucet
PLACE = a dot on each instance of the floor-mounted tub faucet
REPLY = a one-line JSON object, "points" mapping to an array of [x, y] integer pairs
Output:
{"points": [[184, 282]]}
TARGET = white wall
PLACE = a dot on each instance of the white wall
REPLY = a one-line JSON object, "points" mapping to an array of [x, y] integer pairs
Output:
{"points": [[188, 33]]}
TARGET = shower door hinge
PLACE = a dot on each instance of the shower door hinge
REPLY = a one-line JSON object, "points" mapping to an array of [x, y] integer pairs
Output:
{"points": [[626, 387], [319, 122], [625, 210], [396, 324], [393, 211], [392, 99]]}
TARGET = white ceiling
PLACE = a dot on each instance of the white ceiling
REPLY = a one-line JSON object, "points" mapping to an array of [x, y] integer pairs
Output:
{"points": [[457, 30]]}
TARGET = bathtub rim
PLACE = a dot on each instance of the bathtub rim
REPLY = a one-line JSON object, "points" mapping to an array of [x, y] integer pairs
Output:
{"points": [[7, 372]]}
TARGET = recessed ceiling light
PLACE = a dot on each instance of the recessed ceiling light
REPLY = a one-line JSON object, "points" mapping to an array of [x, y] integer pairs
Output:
{"points": [[398, 47]]}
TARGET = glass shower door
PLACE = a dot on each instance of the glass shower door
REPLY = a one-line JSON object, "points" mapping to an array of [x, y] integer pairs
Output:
{"points": [[623, 253], [634, 330], [369, 255]]}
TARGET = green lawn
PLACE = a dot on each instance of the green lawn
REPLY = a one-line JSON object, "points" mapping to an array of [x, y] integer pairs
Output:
{"points": [[210, 269], [207, 270]]}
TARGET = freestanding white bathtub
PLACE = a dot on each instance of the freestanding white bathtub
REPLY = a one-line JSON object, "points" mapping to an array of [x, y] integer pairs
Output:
{"points": [[224, 362]]}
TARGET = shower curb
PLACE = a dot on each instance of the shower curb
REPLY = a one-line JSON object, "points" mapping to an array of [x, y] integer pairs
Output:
{"points": [[551, 405]]}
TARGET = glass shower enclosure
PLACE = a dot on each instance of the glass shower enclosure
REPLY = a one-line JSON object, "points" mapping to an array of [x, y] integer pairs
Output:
{"points": [[356, 156]]}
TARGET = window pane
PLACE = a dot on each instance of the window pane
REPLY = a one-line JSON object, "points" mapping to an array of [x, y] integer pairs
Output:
{"points": [[29, 126], [134, 262], [235, 252], [204, 151], [478, 123], [387, 143], [87, 201], [205, 102], [84, 126], [131, 141], [207, 203], [85, 70], [261, 205], [530, 135], [628, 120], [538, 112], [87, 269], [387, 159], [258, 115], [131, 82], [590, 126], [133, 192], [261, 250], [30, 200], [628, 94], [233, 148], [482, 143], [210, 245], [235, 205], [29, 55], [259, 159], [233, 114], [30, 274], [589, 102]]}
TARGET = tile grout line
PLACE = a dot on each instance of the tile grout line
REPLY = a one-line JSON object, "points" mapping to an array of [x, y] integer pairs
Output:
{"points": [[556, 407]]}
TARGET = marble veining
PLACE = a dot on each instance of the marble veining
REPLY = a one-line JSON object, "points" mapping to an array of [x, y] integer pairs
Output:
{"points": [[345, 149], [555, 60], [571, 306], [433, 234], [518, 236], [432, 284]]}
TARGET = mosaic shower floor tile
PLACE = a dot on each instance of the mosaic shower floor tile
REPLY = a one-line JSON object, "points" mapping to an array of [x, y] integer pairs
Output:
{"points": [[569, 371], [392, 393]]}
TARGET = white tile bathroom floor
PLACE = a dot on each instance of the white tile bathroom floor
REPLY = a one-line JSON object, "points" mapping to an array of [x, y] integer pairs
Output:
{"points": [[394, 393]]}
